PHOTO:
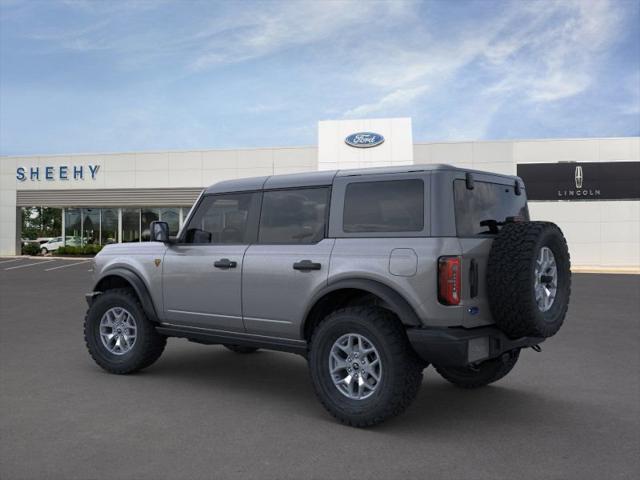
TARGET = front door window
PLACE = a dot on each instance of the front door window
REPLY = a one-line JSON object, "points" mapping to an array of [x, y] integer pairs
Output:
{"points": [[202, 272]]}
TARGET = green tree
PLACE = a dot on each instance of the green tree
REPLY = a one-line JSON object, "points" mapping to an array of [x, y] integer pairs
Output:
{"points": [[41, 222]]}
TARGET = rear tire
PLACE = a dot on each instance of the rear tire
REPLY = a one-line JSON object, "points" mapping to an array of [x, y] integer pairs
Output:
{"points": [[117, 345], [484, 374], [240, 348], [377, 380]]}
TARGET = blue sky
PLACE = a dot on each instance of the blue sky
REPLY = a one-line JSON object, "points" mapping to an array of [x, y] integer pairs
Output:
{"points": [[92, 76]]}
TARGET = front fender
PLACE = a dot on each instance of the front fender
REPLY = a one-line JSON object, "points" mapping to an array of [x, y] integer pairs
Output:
{"points": [[136, 282]]}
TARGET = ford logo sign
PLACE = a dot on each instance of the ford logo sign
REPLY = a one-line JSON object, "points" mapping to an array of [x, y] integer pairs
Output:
{"points": [[364, 139]]}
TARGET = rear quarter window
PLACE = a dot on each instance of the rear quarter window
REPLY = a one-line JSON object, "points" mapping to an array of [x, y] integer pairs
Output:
{"points": [[487, 201], [384, 206]]}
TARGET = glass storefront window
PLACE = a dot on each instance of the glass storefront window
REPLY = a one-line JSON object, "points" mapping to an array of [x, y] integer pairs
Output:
{"points": [[72, 226], [109, 226], [90, 226], [148, 215], [86, 226], [172, 217], [41, 222], [130, 224]]}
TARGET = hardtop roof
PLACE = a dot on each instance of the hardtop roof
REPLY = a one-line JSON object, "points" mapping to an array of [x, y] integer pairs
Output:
{"points": [[326, 177]]}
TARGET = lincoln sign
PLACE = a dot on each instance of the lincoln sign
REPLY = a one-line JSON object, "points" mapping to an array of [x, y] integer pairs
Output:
{"points": [[581, 180]]}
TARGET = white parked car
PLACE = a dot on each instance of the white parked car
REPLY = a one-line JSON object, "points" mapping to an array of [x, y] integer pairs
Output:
{"points": [[52, 245], [56, 242]]}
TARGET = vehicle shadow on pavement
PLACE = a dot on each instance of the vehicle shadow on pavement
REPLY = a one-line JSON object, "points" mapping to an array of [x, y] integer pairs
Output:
{"points": [[508, 407], [441, 407], [283, 380], [273, 376]]}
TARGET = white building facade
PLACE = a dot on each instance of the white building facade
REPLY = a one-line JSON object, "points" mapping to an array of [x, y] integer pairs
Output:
{"points": [[587, 186]]}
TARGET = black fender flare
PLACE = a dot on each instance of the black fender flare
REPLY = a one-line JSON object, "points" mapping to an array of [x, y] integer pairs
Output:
{"points": [[138, 285], [396, 302]]}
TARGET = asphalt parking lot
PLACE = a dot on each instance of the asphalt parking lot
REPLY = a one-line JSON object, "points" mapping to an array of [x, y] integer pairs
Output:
{"points": [[571, 411]]}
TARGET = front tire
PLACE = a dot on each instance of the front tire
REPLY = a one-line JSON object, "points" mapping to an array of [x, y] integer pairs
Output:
{"points": [[484, 374], [44, 251], [119, 336], [362, 366]]}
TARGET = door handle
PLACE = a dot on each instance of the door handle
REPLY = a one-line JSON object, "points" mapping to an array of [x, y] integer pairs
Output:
{"points": [[225, 263], [306, 265]]}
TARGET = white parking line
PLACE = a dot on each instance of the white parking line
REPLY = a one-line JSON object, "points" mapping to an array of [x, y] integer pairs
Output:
{"points": [[9, 261], [31, 264], [65, 266]]}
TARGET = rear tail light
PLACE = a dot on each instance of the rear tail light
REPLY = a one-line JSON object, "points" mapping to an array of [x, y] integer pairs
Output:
{"points": [[449, 280]]}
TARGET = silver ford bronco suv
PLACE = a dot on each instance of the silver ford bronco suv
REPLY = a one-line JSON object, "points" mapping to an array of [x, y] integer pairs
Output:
{"points": [[370, 274]]}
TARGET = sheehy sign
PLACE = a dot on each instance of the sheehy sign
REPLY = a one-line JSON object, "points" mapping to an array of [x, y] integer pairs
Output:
{"points": [[581, 180], [60, 172]]}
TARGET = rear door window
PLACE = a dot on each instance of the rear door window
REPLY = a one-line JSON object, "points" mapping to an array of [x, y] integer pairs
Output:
{"points": [[487, 201], [293, 216], [384, 206]]}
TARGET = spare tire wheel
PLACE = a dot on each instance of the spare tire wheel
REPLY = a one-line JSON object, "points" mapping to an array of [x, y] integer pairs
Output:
{"points": [[529, 279]]}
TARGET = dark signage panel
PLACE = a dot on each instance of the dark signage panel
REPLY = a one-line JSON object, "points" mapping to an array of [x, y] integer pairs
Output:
{"points": [[581, 180]]}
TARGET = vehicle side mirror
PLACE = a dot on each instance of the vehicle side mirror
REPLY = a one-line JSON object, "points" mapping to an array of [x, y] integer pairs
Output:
{"points": [[159, 232]]}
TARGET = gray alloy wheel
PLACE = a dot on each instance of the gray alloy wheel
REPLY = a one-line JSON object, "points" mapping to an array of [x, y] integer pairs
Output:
{"points": [[119, 335], [355, 366], [362, 366], [118, 330], [546, 279]]}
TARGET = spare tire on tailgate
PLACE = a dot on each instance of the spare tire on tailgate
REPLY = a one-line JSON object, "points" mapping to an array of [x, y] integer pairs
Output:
{"points": [[529, 279]]}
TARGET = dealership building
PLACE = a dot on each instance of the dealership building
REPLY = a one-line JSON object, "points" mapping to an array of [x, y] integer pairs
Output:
{"points": [[588, 186]]}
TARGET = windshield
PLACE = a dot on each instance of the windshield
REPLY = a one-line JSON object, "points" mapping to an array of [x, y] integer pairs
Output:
{"points": [[487, 201]]}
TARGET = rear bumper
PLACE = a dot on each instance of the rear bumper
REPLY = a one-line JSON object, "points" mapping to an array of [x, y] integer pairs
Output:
{"points": [[459, 347]]}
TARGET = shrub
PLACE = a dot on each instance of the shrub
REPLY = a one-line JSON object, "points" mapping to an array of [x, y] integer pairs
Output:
{"points": [[31, 249], [92, 249], [84, 250]]}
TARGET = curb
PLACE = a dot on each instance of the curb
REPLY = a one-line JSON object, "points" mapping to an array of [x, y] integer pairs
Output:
{"points": [[607, 270]]}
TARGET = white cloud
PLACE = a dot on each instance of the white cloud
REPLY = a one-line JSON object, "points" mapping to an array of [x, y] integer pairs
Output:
{"points": [[398, 98], [552, 57], [455, 73], [217, 34], [534, 51], [631, 105], [260, 108], [286, 25]]}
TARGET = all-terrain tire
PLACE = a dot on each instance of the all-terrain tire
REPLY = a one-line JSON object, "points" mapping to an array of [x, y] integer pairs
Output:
{"points": [[511, 279], [148, 345], [400, 373], [240, 348], [484, 374]]}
